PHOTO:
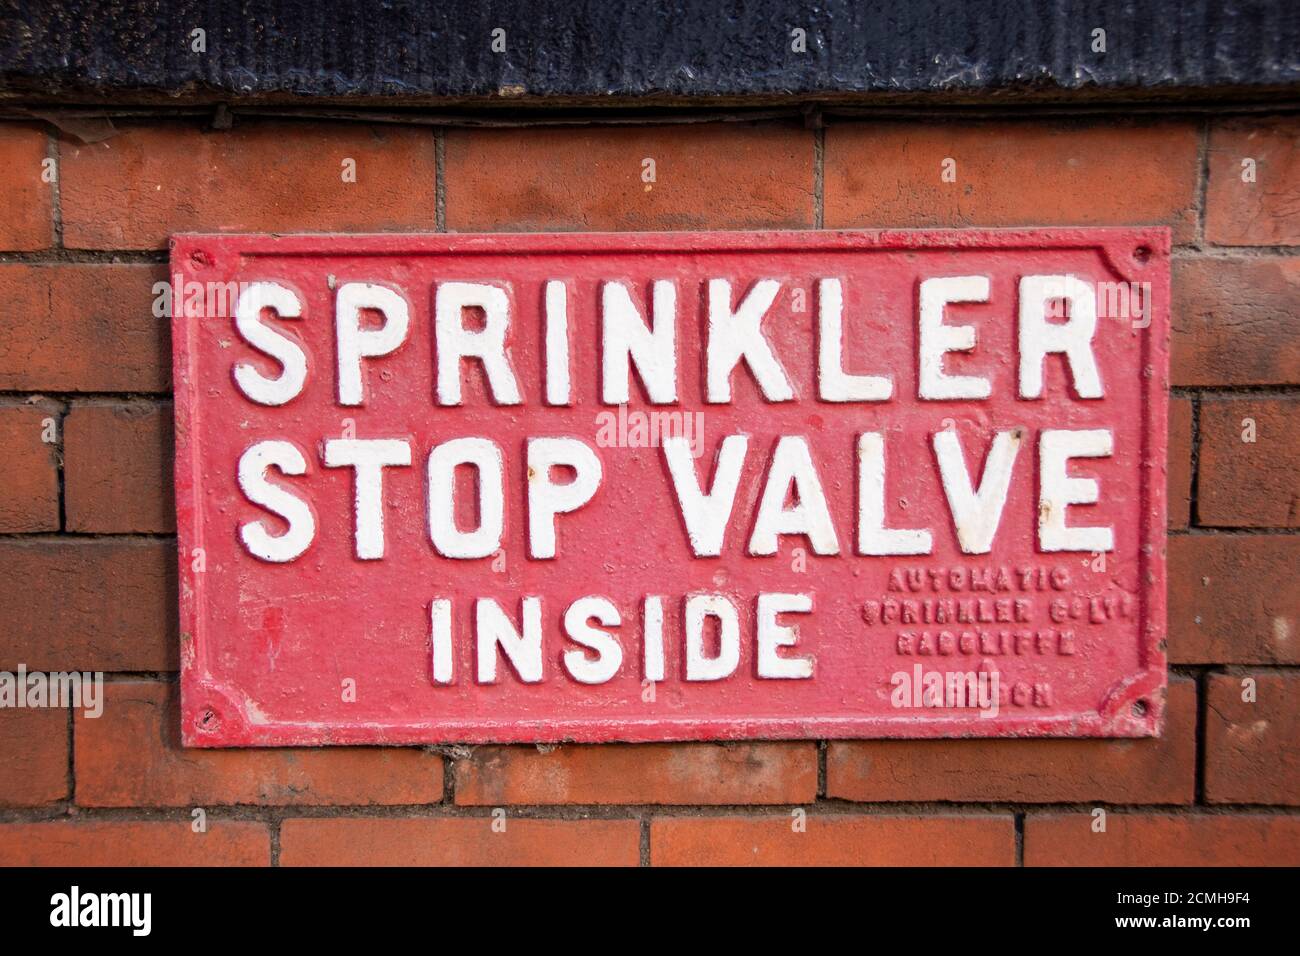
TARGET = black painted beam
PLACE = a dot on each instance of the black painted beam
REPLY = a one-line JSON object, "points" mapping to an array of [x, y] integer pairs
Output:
{"points": [[617, 50]]}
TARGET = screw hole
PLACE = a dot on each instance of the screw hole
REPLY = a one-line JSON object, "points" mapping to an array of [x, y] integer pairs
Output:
{"points": [[200, 258], [1142, 254], [209, 720], [1139, 708]]}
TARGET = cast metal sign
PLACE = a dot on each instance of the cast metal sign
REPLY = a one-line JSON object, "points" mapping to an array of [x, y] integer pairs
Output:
{"points": [[670, 486]]}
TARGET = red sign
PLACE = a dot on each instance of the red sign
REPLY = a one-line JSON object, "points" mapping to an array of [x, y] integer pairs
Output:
{"points": [[663, 487]]}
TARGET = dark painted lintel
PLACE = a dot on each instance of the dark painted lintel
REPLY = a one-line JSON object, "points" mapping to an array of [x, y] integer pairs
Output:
{"points": [[619, 52]]}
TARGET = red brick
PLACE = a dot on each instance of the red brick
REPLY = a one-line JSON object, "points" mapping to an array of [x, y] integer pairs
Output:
{"points": [[1151, 839], [117, 464], [1179, 478], [94, 604], [1249, 483], [1234, 599], [834, 840], [719, 176], [29, 495], [133, 190], [26, 200], [1233, 321], [442, 841], [751, 773], [887, 174], [1252, 750], [1267, 211], [33, 756], [131, 757], [134, 843], [1153, 770], [83, 328]]}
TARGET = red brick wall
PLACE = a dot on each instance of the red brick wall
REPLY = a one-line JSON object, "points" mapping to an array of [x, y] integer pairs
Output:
{"points": [[87, 578]]}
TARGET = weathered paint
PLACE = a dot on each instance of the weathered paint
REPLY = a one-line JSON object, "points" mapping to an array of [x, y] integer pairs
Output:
{"points": [[750, 576]]}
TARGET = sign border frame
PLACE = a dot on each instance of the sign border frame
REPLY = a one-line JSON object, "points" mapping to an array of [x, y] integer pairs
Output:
{"points": [[212, 715]]}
